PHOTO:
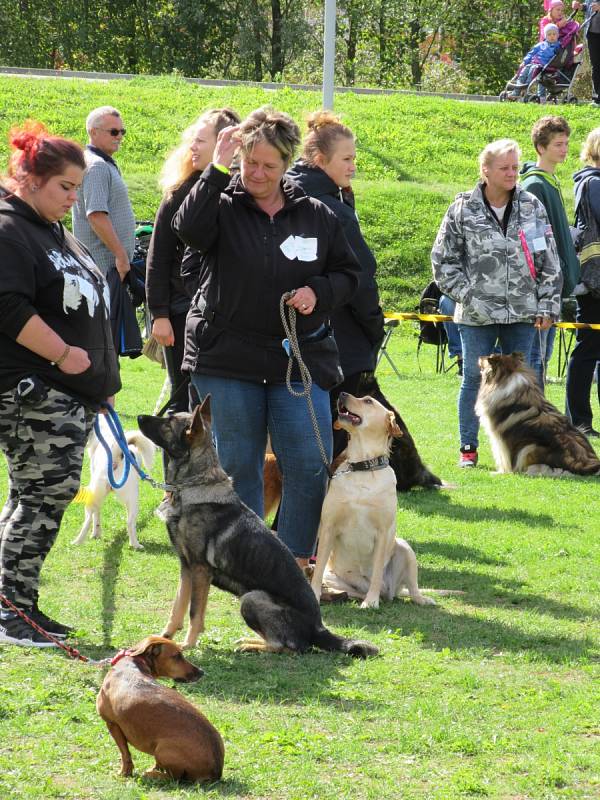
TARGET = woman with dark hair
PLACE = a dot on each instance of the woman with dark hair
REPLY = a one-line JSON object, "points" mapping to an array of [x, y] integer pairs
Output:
{"points": [[325, 171], [261, 237], [57, 363]]}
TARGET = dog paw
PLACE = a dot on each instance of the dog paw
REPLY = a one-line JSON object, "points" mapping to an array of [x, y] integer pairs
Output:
{"points": [[370, 602], [422, 600], [137, 546]]}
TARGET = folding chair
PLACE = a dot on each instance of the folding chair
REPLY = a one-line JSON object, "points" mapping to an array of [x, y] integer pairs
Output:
{"points": [[566, 338], [389, 326]]}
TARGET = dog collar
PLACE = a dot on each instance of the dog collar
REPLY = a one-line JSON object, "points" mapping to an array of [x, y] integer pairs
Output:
{"points": [[369, 465], [121, 654]]}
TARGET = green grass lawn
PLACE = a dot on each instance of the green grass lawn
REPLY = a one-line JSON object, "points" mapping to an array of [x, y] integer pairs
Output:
{"points": [[493, 693]]}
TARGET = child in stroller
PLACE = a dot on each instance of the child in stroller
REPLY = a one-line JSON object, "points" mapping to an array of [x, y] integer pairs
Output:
{"points": [[557, 74], [540, 54]]}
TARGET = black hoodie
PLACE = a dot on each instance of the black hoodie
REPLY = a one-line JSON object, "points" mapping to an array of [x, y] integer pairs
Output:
{"points": [[589, 176], [45, 271], [358, 325]]}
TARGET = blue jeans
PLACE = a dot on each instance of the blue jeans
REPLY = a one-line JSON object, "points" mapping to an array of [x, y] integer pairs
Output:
{"points": [[480, 340], [446, 306], [541, 353], [243, 413]]}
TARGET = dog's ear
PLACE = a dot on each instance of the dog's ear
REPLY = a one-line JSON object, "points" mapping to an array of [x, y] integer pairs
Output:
{"points": [[393, 428], [200, 419], [518, 357], [145, 646], [205, 410]]}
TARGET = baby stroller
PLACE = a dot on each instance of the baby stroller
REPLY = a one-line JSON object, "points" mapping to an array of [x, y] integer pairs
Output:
{"points": [[557, 77]]}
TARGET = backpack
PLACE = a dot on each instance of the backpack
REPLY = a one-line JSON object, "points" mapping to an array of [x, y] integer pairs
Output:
{"points": [[431, 332], [136, 277]]}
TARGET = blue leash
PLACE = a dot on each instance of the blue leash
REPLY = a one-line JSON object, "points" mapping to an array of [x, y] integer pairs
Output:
{"points": [[115, 427]]}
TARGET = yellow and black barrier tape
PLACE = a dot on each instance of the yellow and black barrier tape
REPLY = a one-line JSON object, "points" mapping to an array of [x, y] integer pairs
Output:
{"points": [[402, 316]]}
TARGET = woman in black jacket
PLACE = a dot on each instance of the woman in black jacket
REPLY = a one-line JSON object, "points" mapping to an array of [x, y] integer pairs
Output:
{"points": [[325, 171], [260, 237], [168, 301], [57, 363], [586, 353]]}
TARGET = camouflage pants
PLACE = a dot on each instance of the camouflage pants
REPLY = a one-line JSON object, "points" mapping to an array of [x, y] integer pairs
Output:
{"points": [[44, 445]]}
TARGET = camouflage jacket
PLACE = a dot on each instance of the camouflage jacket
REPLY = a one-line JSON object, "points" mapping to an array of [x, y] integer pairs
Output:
{"points": [[487, 272]]}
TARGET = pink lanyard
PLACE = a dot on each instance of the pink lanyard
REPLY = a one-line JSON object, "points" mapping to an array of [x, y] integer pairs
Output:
{"points": [[528, 257]]}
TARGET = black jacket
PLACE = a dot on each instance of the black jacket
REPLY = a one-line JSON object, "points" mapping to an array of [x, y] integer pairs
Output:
{"points": [[590, 176], [358, 325], [164, 287], [45, 271], [239, 334]]}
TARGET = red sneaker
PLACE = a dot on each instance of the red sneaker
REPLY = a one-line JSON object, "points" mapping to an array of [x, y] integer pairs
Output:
{"points": [[468, 456]]}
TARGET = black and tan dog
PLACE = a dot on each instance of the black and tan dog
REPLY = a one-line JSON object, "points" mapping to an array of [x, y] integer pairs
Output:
{"points": [[221, 541], [527, 433]]}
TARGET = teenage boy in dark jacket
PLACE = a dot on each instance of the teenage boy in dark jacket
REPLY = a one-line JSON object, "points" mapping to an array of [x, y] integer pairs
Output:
{"points": [[550, 137]]}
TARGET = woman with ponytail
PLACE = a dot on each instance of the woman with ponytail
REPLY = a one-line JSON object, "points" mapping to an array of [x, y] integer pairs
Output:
{"points": [[325, 171], [57, 363]]}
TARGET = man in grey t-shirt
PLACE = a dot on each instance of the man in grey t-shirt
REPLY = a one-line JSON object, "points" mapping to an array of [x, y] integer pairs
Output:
{"points": [[103, 218]]}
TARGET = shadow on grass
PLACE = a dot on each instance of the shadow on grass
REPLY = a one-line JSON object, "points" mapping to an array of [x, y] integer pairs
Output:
{"points": [[110, 571], [442, 503], [228, 787], [439, 629], [390, 163], [458, 552], [282, 679], [493, 591]]}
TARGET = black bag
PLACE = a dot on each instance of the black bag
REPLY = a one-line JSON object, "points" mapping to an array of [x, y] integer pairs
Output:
{"points": [[135, 280], [588, 243], [429, 303]]}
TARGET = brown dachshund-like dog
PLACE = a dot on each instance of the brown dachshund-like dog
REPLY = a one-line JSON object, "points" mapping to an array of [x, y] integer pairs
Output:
{"points": [[156, 719]]}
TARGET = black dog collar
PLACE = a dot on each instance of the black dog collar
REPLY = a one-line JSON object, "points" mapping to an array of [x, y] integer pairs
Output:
{"points": [[370, 465]]}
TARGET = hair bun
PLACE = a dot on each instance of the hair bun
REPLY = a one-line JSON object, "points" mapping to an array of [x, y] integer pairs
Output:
{"points": [[27, 137], [320, 119]]}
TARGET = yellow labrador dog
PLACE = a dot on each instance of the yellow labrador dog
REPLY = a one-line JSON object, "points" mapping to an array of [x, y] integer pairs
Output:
{"points": [[357, 534]]}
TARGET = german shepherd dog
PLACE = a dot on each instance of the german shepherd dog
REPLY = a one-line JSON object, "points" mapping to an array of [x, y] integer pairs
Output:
{"points": [[527, 433], [221, 541]]}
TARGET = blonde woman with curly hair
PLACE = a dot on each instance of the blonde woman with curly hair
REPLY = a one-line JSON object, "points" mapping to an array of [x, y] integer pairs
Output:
{"points": [[261, 237]]}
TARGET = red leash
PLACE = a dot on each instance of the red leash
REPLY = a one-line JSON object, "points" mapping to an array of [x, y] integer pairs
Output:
{"points": [[72, 652]]}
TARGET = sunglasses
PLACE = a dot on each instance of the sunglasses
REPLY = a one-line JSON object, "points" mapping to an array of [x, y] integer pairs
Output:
{"points": [[114, 131]]}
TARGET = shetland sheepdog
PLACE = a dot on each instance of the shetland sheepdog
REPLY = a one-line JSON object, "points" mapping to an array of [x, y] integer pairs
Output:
{"points": [[527, 433]]}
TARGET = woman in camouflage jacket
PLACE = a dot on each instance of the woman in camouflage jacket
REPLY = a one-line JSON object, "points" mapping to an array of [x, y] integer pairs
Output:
{"points": [[495, 256]]}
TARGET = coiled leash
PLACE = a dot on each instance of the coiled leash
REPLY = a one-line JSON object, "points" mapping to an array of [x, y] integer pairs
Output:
{"points": [[115, 427], [292, 348]]}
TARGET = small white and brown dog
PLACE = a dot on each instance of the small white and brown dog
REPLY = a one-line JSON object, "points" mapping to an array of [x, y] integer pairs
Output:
{"points": [[99, 487], [358, 550]]}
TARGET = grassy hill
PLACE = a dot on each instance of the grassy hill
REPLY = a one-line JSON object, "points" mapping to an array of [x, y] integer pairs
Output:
{"points": [[414, 153]]}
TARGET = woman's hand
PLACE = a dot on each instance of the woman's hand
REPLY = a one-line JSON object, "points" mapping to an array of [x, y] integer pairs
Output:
{"points": [[162, 331], [227, 146], [542, 323], [76, 362], [303, 300]]}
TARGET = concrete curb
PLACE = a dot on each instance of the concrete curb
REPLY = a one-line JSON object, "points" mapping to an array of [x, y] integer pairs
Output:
{"points": [[122, 76]]}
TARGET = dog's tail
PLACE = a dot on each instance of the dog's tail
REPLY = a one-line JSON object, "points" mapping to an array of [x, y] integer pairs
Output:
{"points": [[357, 648], [143, 446]]}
